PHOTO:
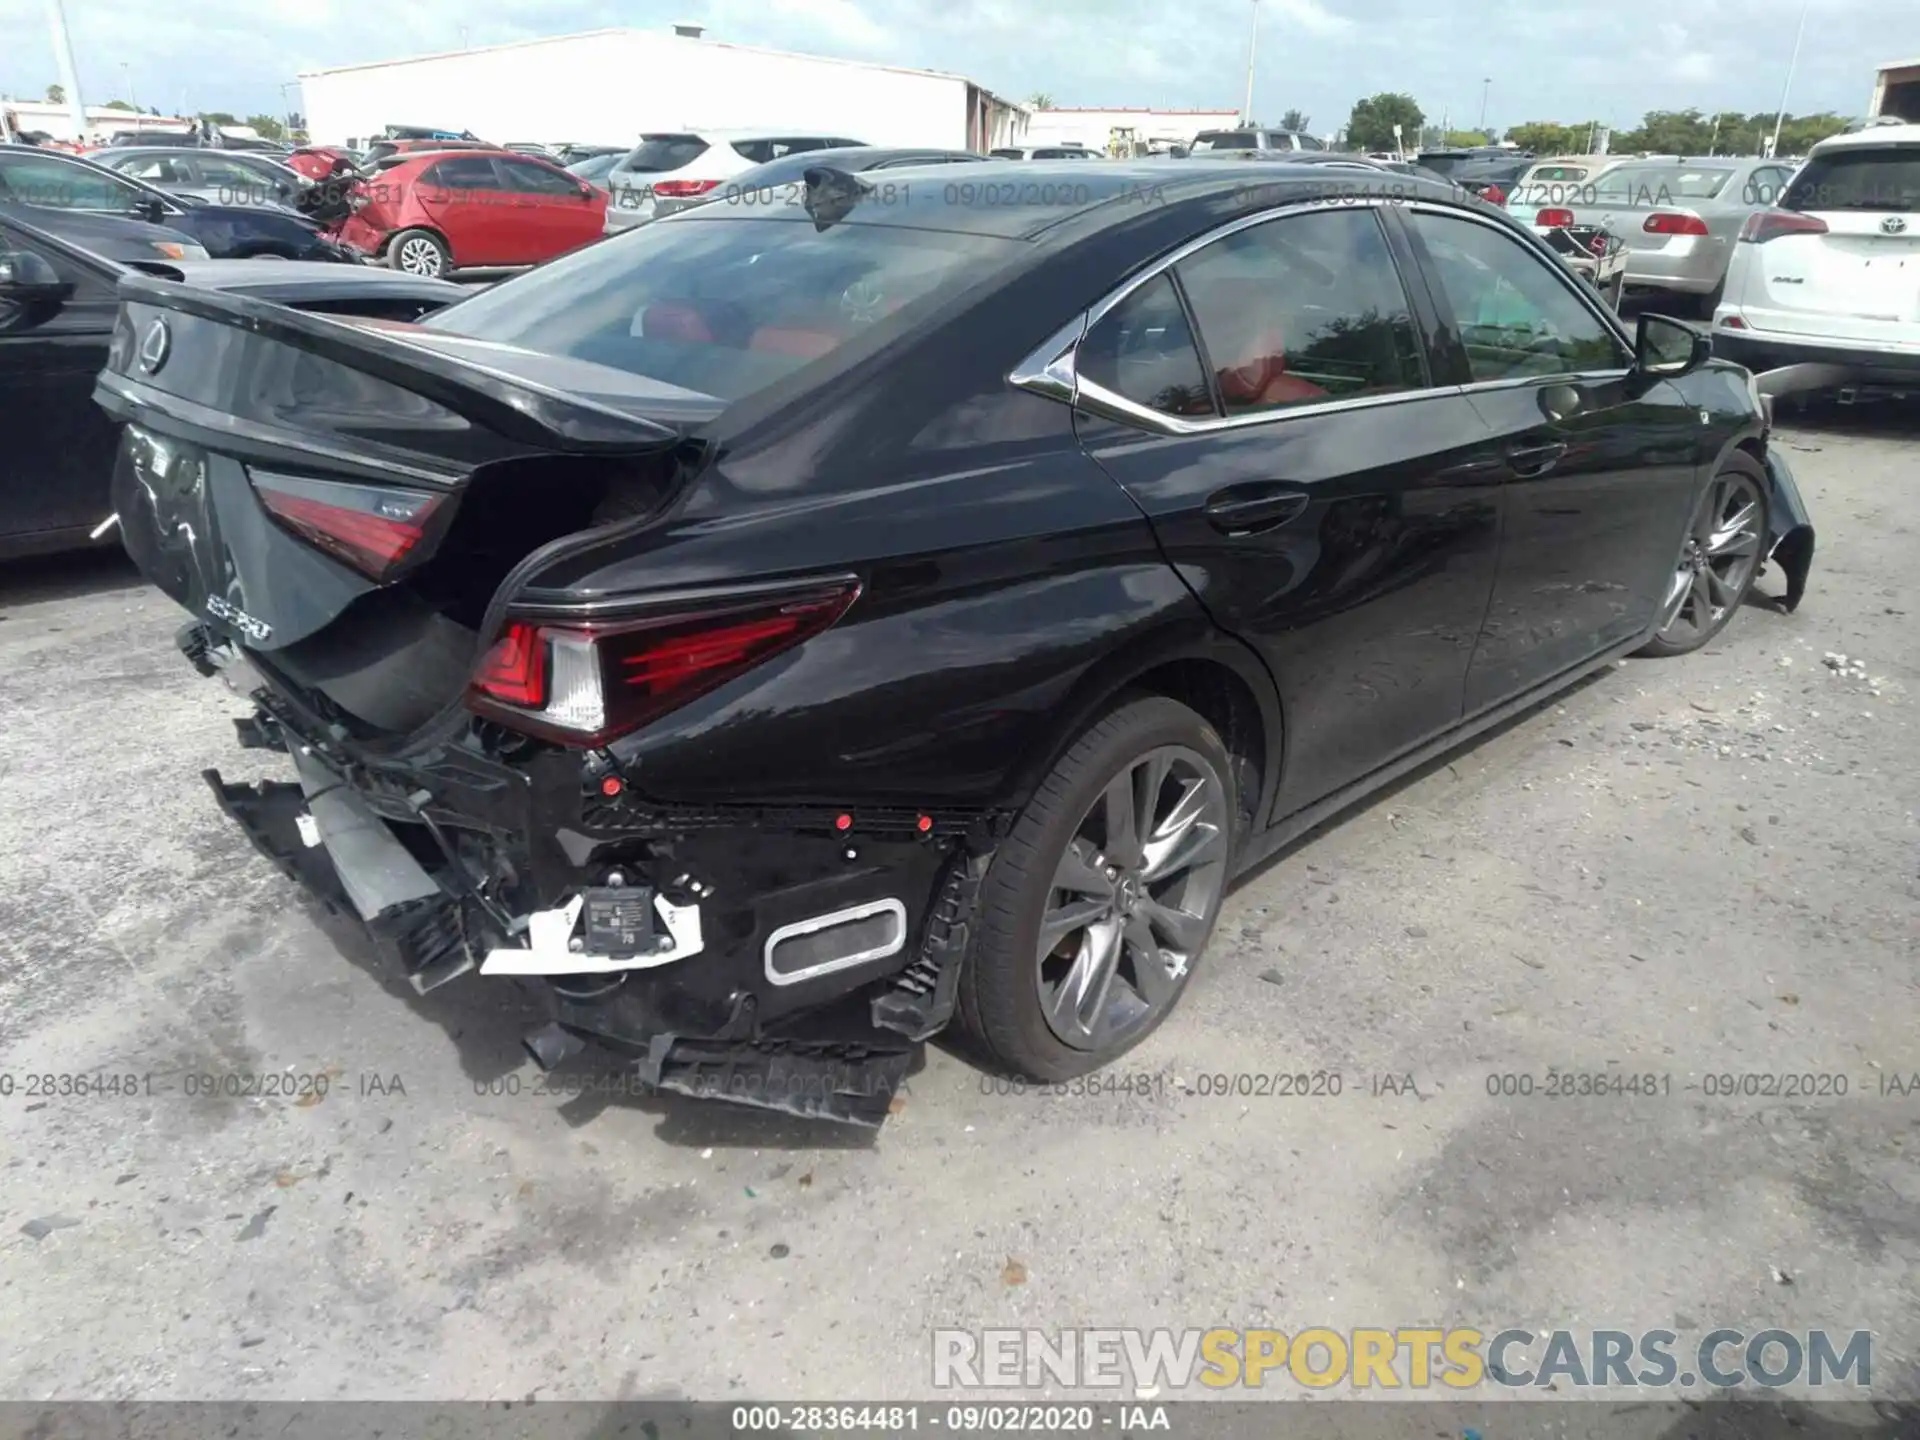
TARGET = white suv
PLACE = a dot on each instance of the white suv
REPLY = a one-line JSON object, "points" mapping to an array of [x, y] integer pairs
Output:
{"points": [[1832, 273], [681, 165]]}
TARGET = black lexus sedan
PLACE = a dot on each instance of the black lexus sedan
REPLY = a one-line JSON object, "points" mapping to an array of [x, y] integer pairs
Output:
{"points": [[49, 180], [58, 269], [786, 630]]}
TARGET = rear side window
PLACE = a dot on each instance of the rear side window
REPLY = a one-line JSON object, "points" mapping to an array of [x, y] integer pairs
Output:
{"points": [[463, 172], [657, 154], [1226, 140], [1143, 350], [1515, 315], [726, 306], [1302, 310], [30, 180], [1883, 179]]}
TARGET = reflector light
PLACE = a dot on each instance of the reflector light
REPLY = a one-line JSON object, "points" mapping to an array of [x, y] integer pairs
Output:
{"points": [[371, 527], [583, 683], [924, 824], [611, 786], [843, 822], [1662, 223]]}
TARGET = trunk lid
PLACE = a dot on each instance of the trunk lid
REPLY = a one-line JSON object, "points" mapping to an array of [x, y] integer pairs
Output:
{"points": [[343, 499]]}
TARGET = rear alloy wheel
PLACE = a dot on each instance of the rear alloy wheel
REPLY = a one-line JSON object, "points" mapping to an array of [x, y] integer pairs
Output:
{"points": [[1103, 897], [1719, 560], [418, 252]]}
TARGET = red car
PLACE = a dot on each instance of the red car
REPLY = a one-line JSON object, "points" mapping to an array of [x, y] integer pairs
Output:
{"points": [[319, 162], [445, 210]]}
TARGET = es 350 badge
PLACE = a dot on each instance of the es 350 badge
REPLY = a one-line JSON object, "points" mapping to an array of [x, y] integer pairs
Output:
{"points": [[256, 630]]}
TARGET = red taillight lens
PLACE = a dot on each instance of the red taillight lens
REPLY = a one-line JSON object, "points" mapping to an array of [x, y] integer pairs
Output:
{"points": [[582, 684], [371, 527], [1665, 224], [1494, 195], [1765, 225], [514, 670], [681, 189], [1553, 219]]}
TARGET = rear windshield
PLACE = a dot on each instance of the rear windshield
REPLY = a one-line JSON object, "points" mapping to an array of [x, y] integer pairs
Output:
{"points": [[727, 305], [1886, 180], [1445, 164], [1660, 184], [657, 154], [1227, 140]]}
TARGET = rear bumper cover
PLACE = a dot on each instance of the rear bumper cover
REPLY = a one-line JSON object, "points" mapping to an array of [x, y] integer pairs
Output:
{"points": [[1762, 350], [468, 880]]}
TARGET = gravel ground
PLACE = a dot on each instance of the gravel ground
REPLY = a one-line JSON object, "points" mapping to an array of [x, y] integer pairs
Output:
{"points": [[1683, 868]]}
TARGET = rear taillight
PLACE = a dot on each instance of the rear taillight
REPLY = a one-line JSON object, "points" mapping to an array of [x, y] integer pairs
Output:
{"points": [[371, 527], [1553, 219], [584, 683], [1494, 195], [1765, 225], [681, 189], [1663, 223]]}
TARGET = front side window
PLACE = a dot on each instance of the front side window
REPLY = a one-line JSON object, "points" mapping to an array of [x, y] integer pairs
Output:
{"points": [[1227, 140], [155, 169], [528, 178], [1143, 350], [1301, 310], [1517, 318], [727, 305], [32, 180]]}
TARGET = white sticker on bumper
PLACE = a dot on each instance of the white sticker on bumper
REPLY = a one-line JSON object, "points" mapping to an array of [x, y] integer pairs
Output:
{"points": [[550, 932]]}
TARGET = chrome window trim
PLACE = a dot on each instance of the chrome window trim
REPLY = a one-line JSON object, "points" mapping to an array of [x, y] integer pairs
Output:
{"points": [[1049, 369]]}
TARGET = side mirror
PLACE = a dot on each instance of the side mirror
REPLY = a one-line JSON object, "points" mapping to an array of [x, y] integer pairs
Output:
{"points": [[1665, 348], [151, 210], [30, 288]]}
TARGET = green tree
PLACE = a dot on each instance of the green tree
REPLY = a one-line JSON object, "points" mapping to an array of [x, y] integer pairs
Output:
{"points": [[1370, 127], [1295, 120], [1466, 139], [266, 126], [56, 94], [120, 105], [217, 117], [1040, 100]]}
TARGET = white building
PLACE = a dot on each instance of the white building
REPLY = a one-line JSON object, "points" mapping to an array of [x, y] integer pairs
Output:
{"points": [[608, 86], [1896, 90], [1094, 128], [102, 120]]}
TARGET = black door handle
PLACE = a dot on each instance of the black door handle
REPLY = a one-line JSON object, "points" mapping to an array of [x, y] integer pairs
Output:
{"points": [[1251, 509], [1530, 461]]}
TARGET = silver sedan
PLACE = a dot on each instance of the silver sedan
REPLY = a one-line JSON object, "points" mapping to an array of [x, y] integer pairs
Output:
{"points": [[1679, 217]]}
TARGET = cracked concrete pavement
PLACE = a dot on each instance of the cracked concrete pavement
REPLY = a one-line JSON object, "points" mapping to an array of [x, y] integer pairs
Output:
{"points": [[1682, 869]]}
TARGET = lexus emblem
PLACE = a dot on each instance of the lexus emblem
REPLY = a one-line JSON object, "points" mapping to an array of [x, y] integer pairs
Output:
{"points": [[1894, 225], [155, 346]]}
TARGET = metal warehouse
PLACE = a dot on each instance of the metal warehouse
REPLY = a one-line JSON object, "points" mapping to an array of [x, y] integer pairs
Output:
{"points": [[607, 86]]}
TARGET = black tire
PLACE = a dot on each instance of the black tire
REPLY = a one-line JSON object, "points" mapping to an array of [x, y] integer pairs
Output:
{"points": [[1682, 640], [1000, 1020], [409, 245]]}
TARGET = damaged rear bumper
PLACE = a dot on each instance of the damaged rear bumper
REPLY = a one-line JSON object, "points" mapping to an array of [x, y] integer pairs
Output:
{"points": [[775, 959]]}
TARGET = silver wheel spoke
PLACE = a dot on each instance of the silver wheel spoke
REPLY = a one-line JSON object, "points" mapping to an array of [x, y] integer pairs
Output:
{"points": [[1063, 920], [1153, 982], [1676, 597], [1166, 837], [1076, 873], [1702, 601], [1123, 829], [1180, 931], [1717, 585], [1200, 844]]}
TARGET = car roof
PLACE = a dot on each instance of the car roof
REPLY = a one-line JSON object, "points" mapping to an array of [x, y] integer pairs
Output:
{"points": [[1874, 137], [312, 279], [1082, 195]]}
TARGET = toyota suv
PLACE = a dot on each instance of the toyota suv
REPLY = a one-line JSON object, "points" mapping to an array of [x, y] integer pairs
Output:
{"points": [[1252, 139], [1829, 274], [683, 165]]}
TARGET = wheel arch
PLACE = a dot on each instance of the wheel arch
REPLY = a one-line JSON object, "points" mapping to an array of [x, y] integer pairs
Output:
{"points": [[1213, 674]]}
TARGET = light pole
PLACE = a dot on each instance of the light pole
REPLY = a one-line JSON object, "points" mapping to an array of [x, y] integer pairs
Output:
{"points": [[69, 76], [1253, 44], [126, 74], [1773, 146], [1486, 86]]}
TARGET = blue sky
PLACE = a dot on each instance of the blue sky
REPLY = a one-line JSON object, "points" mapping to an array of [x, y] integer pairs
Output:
{"points": [[1613, 59]]}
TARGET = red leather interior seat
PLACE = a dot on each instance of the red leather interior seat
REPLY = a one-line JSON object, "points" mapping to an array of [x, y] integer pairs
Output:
{"points": [[790, 340], [1249, 351], [675, 320]]}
